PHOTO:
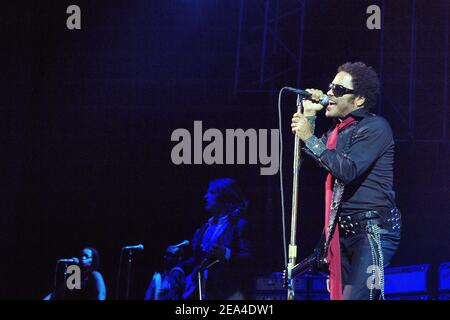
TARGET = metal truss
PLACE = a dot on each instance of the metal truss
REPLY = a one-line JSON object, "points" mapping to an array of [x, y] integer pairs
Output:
{"points": [[264, 59]]}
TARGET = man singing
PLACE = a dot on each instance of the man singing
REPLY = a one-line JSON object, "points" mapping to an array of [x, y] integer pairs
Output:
{"points": [[358, 154]]}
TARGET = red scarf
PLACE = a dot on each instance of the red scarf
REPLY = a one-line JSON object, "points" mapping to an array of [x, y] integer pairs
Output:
{"points": [[334, 251]]}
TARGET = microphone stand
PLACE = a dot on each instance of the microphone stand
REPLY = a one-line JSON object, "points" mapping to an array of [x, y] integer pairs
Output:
{"points": [[60, 287], [295, 181], [127, 292], [199, 276]]}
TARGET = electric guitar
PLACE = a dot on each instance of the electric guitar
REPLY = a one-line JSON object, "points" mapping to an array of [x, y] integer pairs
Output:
{"points": [[192, 280], [314, 262], [207, 259]]}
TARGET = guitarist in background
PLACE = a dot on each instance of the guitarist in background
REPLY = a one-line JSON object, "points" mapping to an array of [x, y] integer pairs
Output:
{"points": [[220, 247], [169, 284]]}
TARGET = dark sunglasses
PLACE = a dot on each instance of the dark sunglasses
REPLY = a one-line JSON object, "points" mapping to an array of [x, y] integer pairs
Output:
{"points": [[339, 90]]}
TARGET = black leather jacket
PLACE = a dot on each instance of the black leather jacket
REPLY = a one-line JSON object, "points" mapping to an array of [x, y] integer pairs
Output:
{"points": [[363, 161]]}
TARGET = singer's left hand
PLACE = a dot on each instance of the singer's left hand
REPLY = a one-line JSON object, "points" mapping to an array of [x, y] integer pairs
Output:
{"points": [[310, 107], [301, 126]]}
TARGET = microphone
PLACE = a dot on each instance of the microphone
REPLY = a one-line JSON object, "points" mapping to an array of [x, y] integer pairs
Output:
{"points": [[183, 243], [71, 260], [136, 247], [306, 95]]}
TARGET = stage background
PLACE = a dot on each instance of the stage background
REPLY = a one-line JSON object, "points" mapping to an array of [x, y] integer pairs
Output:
{"points": [[87, 116]]}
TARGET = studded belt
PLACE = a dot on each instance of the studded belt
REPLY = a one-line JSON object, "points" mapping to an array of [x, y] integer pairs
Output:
{"points": [[387, 221]]}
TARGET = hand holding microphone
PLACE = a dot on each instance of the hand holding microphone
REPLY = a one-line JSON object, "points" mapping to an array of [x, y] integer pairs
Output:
{"points": [[315, 102]]}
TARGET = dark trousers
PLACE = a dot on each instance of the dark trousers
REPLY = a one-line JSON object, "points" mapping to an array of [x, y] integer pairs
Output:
{"points": [[360, 258]]}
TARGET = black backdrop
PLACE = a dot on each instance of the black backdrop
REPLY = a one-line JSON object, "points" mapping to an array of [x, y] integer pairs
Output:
{"points": [[87, 115]]}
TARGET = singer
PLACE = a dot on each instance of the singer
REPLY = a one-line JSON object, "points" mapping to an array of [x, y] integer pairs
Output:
{"points": [[92, 283], [220, 247], [358, 154]]}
